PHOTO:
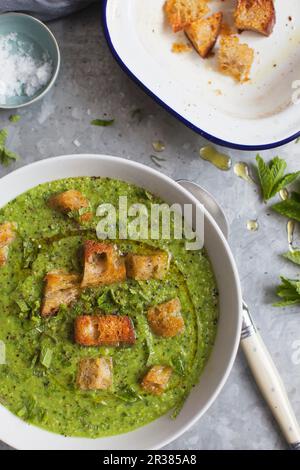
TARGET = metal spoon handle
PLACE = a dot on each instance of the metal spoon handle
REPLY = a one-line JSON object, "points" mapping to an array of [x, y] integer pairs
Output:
{"points": [[269, 381]]}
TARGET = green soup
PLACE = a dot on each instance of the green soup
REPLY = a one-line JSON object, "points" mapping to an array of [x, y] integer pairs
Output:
{"points": [[38, 380]]}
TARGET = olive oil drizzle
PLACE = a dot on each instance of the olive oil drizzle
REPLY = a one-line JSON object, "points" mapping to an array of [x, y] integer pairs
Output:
{"points": [[220, 160]]}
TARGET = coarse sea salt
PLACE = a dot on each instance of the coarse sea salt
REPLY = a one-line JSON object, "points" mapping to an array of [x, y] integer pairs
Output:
{"points": [[21, 74]]}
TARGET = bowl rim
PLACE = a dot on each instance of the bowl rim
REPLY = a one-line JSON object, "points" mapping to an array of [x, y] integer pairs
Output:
{"points": [[146, 169], [57, 69], [211, 137]]}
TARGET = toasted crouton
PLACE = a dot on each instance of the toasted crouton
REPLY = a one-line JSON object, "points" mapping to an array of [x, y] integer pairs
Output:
{"points": [[255, 15], [70, 201], [60, 289], [7, 236], [106, 330], [204, 33], [156, 379], [166, 319], [95, 373], [144, 267], [235, 59], [181, 13], [103, 265]]}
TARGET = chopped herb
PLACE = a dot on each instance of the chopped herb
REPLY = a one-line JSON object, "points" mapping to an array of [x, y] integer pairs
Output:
{"points": [[289, 292], [6, 156], [148, 195], [22, 412], [158, 146], [46, 357], [14, 118], [288, 208], [128, 394], [30, 252], [155, 159], [102, 122], [272, 177], [293, 256], [178, 365]]}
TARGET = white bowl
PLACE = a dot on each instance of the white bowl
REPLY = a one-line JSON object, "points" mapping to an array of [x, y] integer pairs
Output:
{"points": [[257, 115], [159, 433]]}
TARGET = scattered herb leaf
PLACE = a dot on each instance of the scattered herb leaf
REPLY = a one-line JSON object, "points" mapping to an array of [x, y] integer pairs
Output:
{"points": [[102, 122], [272, 177], [14, 118], [6, 156], [288, 208], [158, 146], [289, 292], [293, 256]]}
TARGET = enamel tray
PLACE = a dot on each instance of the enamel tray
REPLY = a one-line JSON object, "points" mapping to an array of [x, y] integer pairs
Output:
{"points": [[257, 115]]}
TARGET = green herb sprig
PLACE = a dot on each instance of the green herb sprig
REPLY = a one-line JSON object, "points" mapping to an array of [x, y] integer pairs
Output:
{"points": [[272, 177], [6, 155], [289, 292]]}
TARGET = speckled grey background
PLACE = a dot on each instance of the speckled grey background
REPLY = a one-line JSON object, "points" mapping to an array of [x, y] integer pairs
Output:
{"points": [[91, 85]]}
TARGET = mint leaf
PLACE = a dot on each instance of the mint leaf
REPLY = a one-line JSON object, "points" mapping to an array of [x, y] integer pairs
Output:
{"points": [[295, 196], [289, 292], [286, 180], [293, 256], [277, 168], [102, 122], [14, 118], [6, 156], [265, 177], [288, 208], [272, 178]]}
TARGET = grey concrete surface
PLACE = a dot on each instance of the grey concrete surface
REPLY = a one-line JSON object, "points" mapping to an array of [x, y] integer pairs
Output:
{"points": [[91, 85]]}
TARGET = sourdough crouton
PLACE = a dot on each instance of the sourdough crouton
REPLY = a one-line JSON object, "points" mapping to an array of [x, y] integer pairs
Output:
{"points": [[144, 267], [255, 15], [204, 33], [95, 373], [181, 13], [106, 330], [7, 236], [70, 201], [60, 289], [156, 379], [235, 59], [165, 319], [103, 265]]}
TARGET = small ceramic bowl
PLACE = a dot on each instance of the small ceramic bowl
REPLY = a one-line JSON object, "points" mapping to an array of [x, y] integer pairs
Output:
{"points": [[38, 41]]}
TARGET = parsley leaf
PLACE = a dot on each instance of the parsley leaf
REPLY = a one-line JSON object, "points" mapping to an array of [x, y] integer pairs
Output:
{"points": [[272, 177], [6, 156], [289, 292]]}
